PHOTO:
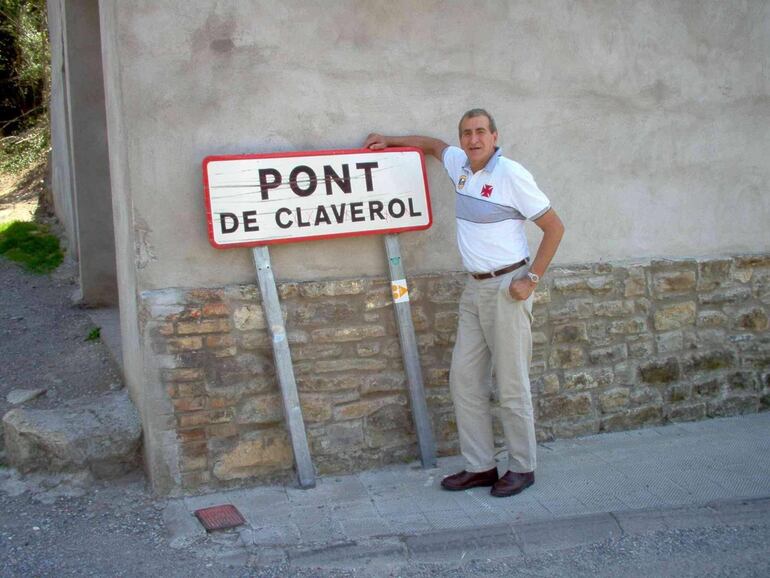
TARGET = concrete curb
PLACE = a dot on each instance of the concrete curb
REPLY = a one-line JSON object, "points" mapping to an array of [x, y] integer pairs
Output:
{"points": [[506, 540]]}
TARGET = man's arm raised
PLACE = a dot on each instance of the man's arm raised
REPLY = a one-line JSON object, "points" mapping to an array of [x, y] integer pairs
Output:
{"points": [[430, 146]]}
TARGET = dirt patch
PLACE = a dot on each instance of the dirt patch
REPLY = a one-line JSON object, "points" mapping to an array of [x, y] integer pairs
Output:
{"points": [[44, 342], [21, 194], [43, 335]]}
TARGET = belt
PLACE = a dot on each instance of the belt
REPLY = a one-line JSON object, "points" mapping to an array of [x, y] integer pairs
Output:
{"points": [[503, 271]]}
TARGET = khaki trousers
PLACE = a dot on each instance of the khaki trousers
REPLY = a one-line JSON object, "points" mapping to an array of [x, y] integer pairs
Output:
{"points": [[494, 338]]}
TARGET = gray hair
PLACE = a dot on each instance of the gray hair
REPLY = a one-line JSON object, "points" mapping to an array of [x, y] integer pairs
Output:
{"points": [[474, 112]]}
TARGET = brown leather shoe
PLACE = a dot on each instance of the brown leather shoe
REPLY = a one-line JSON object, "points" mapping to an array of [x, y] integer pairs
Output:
{"points": [[465, 480], [512, 483]]}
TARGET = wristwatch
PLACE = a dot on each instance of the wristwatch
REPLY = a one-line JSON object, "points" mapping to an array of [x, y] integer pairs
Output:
{"points": [[534, 277]]}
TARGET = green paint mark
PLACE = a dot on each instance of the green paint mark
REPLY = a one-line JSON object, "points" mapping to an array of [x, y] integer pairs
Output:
{"points": [[395, 260]]}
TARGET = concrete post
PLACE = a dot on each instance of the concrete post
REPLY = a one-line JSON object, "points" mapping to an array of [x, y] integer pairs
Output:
{"points": [[89, 160]]}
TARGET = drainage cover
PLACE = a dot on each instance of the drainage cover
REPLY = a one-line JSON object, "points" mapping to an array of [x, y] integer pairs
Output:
{"points": [[220, 517]]}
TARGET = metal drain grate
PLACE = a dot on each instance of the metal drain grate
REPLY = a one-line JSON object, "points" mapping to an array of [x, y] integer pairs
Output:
{"points": [[220, 517]]}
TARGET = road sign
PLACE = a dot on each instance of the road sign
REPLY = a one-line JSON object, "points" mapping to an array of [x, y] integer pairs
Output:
{"points": [[257, 200], [263, 199]]}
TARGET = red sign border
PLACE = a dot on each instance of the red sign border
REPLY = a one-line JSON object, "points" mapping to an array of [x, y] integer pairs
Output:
{"points": [[207, 196]]}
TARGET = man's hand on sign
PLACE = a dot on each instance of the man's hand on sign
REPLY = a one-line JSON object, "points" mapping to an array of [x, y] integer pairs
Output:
{"points": [[429, 146], [521, 289], [375, 142]]}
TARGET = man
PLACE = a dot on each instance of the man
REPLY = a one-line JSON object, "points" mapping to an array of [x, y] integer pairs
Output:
{"points": [[494, 196]]}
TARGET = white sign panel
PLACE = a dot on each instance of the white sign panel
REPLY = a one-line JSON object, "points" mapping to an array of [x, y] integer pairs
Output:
{"points": [[286, 197]]}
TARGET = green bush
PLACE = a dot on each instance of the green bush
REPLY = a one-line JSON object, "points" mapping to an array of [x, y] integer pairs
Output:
{"points": [[24, 84], [24, 63], [31, 245], [18, 153]]}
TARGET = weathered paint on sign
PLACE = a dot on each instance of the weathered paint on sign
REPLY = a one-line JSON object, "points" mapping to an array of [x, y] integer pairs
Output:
{"points": [[285, 197]]}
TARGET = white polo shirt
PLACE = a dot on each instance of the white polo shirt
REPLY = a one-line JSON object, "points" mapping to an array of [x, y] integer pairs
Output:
{"points": [[491, 207]]}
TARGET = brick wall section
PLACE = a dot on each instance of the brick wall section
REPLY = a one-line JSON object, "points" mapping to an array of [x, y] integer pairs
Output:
{"points": [[616, 346]]}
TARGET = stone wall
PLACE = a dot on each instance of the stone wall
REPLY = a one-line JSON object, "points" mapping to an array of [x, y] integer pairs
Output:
{"points": [[616, 346]]}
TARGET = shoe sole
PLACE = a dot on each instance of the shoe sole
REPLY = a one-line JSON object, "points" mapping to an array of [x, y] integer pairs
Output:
{"points": [[480, 485], [508, 494]]}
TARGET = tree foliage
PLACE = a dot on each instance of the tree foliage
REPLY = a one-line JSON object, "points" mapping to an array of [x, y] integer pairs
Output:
{"points": [[24, 64]]}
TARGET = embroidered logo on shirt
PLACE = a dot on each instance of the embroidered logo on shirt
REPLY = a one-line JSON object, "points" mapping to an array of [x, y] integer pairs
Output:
{"points": [[461, 182], [486, 191]]}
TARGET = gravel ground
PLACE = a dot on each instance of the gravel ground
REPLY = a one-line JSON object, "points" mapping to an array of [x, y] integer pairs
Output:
{"points": [[43, 340], [68, 526]]}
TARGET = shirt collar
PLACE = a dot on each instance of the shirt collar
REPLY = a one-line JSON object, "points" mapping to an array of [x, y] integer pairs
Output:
{"points": [[491, 163]]}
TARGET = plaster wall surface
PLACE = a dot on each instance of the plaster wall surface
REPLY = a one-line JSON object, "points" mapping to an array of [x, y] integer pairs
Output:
{"points": [[61, 177], [90, 160], [646, 122], [122, 202]]}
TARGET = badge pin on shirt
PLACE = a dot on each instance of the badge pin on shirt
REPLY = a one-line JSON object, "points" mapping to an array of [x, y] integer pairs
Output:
{"points": [[461, 182]]}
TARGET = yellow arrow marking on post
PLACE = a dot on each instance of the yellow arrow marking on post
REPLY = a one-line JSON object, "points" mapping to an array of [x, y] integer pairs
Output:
{"points": [[399, 290]]}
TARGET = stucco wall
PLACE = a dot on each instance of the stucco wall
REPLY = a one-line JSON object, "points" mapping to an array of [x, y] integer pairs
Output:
{"points": [[61, 176], [90, 161], [80, 178], [644, 121]]}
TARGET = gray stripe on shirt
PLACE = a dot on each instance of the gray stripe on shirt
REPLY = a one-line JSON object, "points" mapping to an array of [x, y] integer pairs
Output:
{"points": [[478, 211]]}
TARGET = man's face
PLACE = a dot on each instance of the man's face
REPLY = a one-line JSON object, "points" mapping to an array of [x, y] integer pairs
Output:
{"points": [[477, 141]]}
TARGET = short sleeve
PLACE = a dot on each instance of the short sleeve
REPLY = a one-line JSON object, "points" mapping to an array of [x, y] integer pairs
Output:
{"points": [[453, 159], [528, 199]]}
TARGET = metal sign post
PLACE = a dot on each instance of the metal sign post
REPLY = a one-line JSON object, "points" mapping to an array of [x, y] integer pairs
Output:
{"points": [[409, 352], [283, 368]]}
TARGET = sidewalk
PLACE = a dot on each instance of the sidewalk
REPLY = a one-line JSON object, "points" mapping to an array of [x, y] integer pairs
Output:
{"points": [[589, 489]]}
